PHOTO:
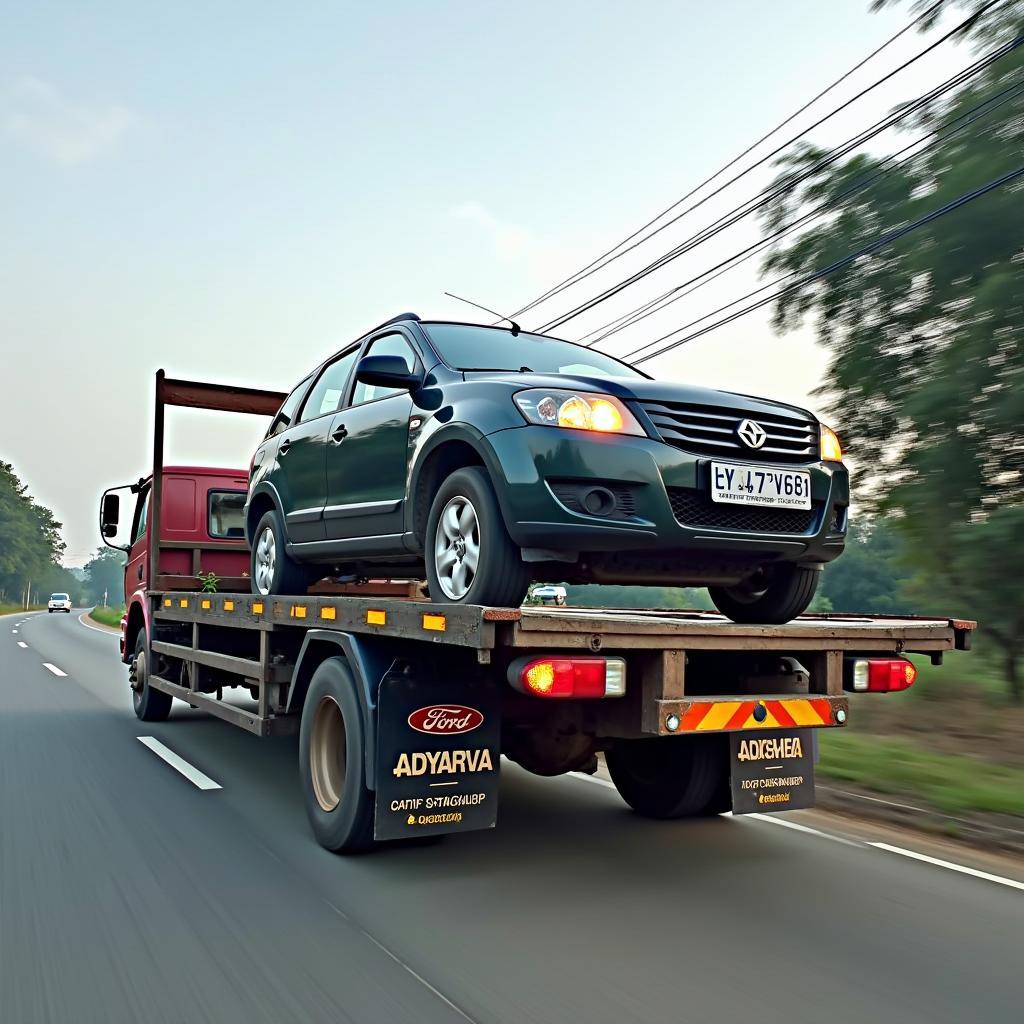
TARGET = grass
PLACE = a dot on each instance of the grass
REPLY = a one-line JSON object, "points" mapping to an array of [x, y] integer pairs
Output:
{"points": [[13, 609], [108, 616], [953, 783]]}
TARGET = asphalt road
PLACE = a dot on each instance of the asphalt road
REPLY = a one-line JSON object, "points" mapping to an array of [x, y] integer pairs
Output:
{"points": [[128, 894]]}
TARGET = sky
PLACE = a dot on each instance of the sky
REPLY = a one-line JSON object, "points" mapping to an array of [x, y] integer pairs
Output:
{"points": [[233, 191]]}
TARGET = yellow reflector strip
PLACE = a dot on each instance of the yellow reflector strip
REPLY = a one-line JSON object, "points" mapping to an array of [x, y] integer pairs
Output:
{"points": [[328, 613], [298, 611], [167, 602], [375, 617], [183, 602], [206, 604], [720, 714], [435, 622], [257, 607], [229, 606]]}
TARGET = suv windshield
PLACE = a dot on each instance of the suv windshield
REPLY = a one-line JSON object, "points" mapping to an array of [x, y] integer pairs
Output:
{"points": [[469, 347]]}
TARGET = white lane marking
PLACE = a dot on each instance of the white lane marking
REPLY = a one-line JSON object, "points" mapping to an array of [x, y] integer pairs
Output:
{"points": [[797, 827], [97, 629], [14, 631], [194, 775], [401, 963], [22, 644], [53, 668], [974, 872]]}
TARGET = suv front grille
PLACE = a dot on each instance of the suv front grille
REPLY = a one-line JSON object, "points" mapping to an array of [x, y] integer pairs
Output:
{"points": [[694, 508], [712, 430]]}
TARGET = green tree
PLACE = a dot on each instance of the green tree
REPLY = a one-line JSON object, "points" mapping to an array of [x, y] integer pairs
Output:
{"points": [[926, 336], [104, 574]]}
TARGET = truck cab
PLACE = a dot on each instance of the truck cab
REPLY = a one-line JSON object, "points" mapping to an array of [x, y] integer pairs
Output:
{"points": [[201, 531]]}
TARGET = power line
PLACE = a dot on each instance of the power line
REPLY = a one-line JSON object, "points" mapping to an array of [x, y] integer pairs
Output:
{"points": [[879, 243], [573, 278], [766, 197], [611, 255], [967, 118]]}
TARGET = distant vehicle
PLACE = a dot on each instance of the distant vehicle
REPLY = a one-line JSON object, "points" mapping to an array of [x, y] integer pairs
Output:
{"points": [[550, 594], [59, 603], [487, 459]]}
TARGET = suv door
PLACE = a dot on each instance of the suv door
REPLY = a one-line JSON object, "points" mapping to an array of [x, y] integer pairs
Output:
{"points": [[368, 454], [299, 471]]}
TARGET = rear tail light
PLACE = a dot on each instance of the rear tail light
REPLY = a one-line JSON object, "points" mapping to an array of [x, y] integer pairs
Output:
{"points": [[561, 677], [879, 675]]}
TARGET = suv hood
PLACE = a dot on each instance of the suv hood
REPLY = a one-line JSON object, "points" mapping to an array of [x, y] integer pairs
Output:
{"points": [[645, 390]]}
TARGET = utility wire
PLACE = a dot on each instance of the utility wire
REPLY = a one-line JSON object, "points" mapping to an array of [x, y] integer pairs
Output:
{"points": [[611, 255], [890, 163], [839, 264], [764, 198], [573, 278]]}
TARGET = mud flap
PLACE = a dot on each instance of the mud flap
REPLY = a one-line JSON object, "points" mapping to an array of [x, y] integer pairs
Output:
{"points": [[438, 754], [772, 771]]}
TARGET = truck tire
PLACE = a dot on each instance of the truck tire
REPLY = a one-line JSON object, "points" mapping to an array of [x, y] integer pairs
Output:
{"points": [[470, 557], [671, 777], [783, 595], [150, 705], [332, 761], [272, 570]]}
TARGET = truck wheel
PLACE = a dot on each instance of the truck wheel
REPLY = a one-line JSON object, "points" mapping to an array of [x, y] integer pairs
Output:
{"points": [[150, 705], [470, 557], [774, 597], [272, 569], [670, 777], [332, 761]]}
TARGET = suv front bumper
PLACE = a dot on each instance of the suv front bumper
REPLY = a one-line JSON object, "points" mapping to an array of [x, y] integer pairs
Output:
{"points": [[656, 481]]}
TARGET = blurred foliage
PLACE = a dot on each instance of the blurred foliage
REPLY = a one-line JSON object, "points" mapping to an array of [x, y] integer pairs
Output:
{"points": [[104, 576], [926, 339], [611, 596], [30, 545]]}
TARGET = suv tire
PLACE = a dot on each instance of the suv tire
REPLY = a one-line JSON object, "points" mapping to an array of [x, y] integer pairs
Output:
{"points": [[787, 593], [470, 557], [272, 570]]}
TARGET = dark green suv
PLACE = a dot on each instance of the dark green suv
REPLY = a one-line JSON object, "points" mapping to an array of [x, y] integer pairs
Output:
{"points": [[487, 459]]}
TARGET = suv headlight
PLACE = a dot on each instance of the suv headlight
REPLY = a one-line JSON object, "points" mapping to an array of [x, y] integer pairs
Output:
{"points": [[577, 410], [831, 449]]}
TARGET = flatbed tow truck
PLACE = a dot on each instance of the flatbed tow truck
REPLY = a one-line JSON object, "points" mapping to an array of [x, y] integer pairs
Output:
{"points": [[404, 707]]}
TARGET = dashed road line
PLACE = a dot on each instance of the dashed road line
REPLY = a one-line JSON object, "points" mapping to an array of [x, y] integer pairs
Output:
{"points": [[950, 866], [22, 644], [193, 774], [53, 668]]}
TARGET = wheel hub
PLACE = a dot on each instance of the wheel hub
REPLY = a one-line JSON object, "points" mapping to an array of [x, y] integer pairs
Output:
{"points": [[457, 547], [265, 561]]}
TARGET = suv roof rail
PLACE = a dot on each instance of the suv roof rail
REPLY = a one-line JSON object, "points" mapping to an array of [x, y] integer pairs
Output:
{"points": [[396, 320]]}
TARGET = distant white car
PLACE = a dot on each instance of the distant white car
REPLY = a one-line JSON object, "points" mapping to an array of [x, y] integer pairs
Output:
{"points": [[59, 603]]}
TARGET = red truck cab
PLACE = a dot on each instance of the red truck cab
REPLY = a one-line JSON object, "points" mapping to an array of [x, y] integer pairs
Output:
{"points": [[202, 531]]}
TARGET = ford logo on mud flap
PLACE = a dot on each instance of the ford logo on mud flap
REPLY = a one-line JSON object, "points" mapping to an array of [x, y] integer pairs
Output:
{"points": [[446, 719]]}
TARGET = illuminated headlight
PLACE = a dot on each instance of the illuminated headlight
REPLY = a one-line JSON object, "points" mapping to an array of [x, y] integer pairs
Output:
{"points": [[577, 410], [831, 449]]}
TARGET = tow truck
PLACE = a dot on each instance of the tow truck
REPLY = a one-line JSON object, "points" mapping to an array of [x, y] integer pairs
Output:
{"points": [[405, 708]]}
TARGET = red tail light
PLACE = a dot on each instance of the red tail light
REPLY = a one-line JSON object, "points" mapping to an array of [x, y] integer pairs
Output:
{"points": [[879, 675], [560, 677]]}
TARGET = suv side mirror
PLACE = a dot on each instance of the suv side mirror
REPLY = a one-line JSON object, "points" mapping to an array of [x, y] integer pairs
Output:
{"points": [[387, 372], [110, 514]]}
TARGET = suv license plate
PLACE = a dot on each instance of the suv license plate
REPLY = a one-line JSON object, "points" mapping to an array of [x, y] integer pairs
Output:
{"points": [[753, 485]]}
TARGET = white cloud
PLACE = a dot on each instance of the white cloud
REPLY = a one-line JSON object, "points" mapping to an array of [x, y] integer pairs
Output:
{"points": [[37, 116], [510, 240]]}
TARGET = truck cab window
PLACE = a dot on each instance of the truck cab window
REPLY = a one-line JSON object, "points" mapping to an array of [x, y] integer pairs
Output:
{"points": [[143, 516], [227, 515]]}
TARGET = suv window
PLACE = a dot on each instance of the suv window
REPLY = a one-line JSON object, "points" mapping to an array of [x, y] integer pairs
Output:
{"points": [[226, 514], [389, 345], [286, 414], [329, 389]]}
